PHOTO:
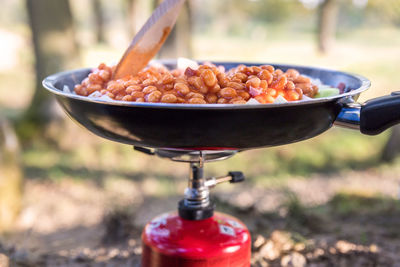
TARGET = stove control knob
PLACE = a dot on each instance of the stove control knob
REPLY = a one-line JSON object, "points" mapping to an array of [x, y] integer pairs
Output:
{"points": [[237, 177]]}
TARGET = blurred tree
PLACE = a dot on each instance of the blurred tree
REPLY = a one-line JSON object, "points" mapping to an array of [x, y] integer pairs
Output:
{"points": [[131, 8], [10, 176], [327, 19], [387, 11], [138, 12], [178, 43], [55, 49], [99, 20]]}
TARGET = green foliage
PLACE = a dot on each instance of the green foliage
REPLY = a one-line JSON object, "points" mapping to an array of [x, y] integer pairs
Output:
{"points": [[387, 11]]}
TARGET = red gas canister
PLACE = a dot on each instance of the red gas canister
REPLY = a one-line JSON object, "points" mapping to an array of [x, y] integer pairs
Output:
{"points": [[219, 241]]}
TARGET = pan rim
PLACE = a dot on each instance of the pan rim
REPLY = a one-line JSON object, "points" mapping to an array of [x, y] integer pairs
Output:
{"points": [[49, 84]]}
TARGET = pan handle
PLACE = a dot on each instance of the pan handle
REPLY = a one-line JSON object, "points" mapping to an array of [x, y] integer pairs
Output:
{"points": [[379, 114]]}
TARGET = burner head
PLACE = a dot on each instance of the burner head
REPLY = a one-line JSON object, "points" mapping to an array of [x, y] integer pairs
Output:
{"points": [[190, 156]]}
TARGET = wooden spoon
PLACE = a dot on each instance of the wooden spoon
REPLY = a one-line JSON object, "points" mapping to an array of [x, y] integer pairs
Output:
{"points": [[149, 39]]}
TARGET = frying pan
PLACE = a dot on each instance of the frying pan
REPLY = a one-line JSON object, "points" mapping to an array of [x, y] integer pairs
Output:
{"points": [[227, 126]]}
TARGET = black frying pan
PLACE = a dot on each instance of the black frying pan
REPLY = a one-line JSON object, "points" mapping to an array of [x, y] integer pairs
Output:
{"points": [[227, 126]]}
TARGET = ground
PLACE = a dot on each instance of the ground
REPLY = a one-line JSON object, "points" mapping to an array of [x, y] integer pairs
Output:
{"points": [[343, 219]]}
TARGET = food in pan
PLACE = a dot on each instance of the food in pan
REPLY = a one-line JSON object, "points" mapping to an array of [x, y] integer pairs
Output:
{"points": [[203, 84]]}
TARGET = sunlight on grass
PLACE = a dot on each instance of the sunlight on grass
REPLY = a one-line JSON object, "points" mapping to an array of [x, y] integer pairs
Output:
{"points": [[361, 202]]}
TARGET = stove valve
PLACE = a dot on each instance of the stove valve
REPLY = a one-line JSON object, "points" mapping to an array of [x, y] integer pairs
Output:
{"points": [[232, 177]]}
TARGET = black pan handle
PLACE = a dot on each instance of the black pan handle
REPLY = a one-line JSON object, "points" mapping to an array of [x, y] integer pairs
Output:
{"points": [[379, 114]]}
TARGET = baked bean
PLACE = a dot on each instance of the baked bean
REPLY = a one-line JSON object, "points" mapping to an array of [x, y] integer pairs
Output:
{"points": [[133, 88], [253, 82], [222, 101], [85, 82], [269, 68], [168, 98], [241, 77], [255, 69], [199, 85], [236, 86], [265, 75], [263, 84], [292, 74], [261, 99], [290, 85], [272, 92], [167, 78], [239, 101], [197, 101], [243, 94], [83, 91], [278, 72], [180, 100], [228, 93], [119, 97], [95, 78], [215, 89], [182, 88], [127, 98], [149, 89], [102, 66], [222, 80], [300, 92], [141, 99], [305, 87], [153, 96], [149, 81], [292, 95], [209, 78], [137, 94], [194, 95], [93, 87], [181, 80], [115, 88], [104, 75], [176, 73], [269, 99], [132, 81], [302, 79], [280, 83], [168, 87], [211, 98], [315, 89]]}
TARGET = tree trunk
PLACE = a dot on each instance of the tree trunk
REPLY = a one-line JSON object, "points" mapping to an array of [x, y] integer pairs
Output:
{"points": [[132, 20], [138, 13], [178, 43], [392, 147], [97, 7], [327, 19], [10, 177], [55, 49]]}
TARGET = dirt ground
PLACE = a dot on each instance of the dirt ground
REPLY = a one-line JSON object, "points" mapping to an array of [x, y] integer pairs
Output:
{"points": [[348, 219]]}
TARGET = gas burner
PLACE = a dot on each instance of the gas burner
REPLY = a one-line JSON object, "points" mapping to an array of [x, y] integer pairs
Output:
{"points": [[190, 156]]}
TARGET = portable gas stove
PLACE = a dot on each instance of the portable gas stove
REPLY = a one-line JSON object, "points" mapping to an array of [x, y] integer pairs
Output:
{"points": [[195, 236]]}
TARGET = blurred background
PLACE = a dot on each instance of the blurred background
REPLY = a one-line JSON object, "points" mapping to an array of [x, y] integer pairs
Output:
{"points": [[69, 198]]}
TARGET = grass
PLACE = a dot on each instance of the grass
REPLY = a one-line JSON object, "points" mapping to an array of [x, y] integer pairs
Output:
{"points": [[350, 203]]}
